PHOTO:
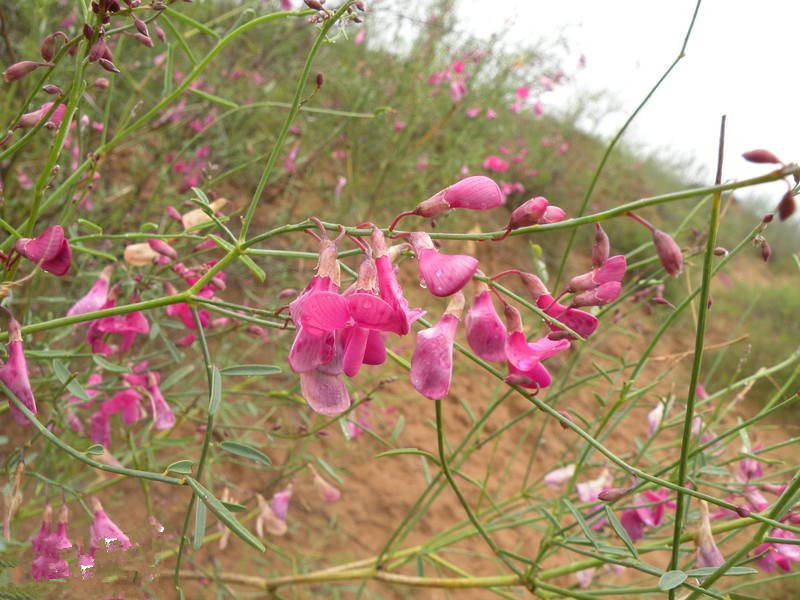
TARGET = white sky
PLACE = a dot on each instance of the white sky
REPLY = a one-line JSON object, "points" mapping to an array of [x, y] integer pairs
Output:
{"points": [[742, 60]]}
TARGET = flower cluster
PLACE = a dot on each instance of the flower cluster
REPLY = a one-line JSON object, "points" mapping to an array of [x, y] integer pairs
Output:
{"points": [[337, 332]]}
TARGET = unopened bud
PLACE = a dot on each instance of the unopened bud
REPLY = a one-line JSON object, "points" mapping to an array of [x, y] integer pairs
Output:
{"points": [[743, 511], [48, 47], [786, 206], [51, 89], [20, 69], [767, 218], [314, 4], [101, 83], [141, 26], [163, 248], [761, 156], [601, 248], [160, 34], [559, 335], [720, 251], [360, 5], [611, 494], [567, 416], [766, 251], [143, 39], [320, 80], [88, 32], [669, 253], [108, 65]]}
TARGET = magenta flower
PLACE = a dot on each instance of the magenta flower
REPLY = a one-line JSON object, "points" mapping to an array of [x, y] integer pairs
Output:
{"points": [[443, 274], [612, 270], [14, 374], [552, 214], [50, 250], [777, 554], [749, 468], [97, 296], [388, 286], [486, 333], [600, 296], [47, 564], [267, 520], [105, 530], [128, 326], [432, 362], [528, 213], [495, 163], [32, 118], [579, 321], [524, 358], [163, 417]]}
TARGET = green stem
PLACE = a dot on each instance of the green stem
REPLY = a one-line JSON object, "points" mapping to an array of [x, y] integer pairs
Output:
{"points": [[702, 315]]}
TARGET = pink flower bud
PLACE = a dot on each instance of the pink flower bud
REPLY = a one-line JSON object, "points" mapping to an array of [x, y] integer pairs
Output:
{"points": [[163, 248], [20, 69], [140, 25], [443, 274], [161, 35], [50, 250], [432, 362], [761, 156], [669, 253], [48, 47], [528, 213], [611, 494], [654, 418], [108, 65], [104, 531], [486, 333], [786, 206], [327, 491], [766, 251], [101, 83], [51, 89], [144, 40], [14, 374], [552, 214], [612, 270], [601, 248]]}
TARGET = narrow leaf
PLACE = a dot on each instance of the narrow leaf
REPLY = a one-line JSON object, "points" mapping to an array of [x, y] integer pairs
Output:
{"points": [[620, 531], [224, 515], [408, 451], [246, 451], [233, 507], [262, 370], [184, 467], [254, 268], [215, 396], [581, 522], [706, 571], [199, 525], [108, 365]]}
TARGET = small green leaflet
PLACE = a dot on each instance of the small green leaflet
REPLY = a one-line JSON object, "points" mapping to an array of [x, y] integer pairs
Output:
{"points": [[706, 571], [95, 449], [199, 525], [215, 396], [184, 467], [671, 579], [246, 451], [108, 365], [620, 531]]}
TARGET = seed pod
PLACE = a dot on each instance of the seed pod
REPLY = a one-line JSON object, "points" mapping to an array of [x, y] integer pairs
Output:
{"points": [[761, 156], [786, 206]]}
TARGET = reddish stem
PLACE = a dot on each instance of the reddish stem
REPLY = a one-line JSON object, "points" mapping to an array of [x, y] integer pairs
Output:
{"points": [[400, 216], [641, 221]]}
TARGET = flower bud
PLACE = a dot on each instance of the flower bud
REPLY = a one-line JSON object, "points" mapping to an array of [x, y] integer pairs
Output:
{"points": [[786, 206], [51, 89], [611, 494], [140, 25], [528, 213], [20, 69], [101, 83], [161, 35], [144, 40], [720, 251], [767, 218], [669, 253], [48, 47], [766, 251], [743, 511], [314, 4], [601, 248], [761, 156], [163, 248], [108, 65], [552, 214]]}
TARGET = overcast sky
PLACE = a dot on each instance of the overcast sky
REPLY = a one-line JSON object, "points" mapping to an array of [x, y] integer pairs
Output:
{"points": [[742, 60]]}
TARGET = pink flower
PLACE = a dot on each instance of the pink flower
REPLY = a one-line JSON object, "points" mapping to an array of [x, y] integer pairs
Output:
{"points": [[538, 109], [340, 183], [327, 491], [359, 37], [458, 89], [388, 286], [289, 164], [163, 417], [579, 321], [432, 362], [523, 92], [495, 163], [325, 393], [47, 564], [443, 274], [14, 374], [105, 530], [399, 125], [612, 270], [96, 297], [777, 554], [708, 555], [486, 333], [32, 119], [524, 358], [588, 491], [490, 114], [473, 111], [654, 418], [553, 214], [560, 475], [268, 520], [749, 468], [50, 250]]}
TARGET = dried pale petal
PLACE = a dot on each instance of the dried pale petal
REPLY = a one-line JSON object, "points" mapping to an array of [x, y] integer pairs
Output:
{"points": [[197, 216], [140, 255], [326, 394], [560, 475], [708, 555]]}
